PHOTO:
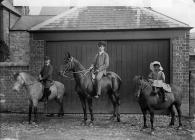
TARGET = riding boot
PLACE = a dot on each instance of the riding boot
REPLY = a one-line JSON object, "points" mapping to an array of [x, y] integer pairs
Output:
{"points": [[44, 95], [163, 94], [47, 93]]}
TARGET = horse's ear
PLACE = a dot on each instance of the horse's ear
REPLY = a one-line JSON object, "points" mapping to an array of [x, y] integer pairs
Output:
{"points": [[68, 54]]}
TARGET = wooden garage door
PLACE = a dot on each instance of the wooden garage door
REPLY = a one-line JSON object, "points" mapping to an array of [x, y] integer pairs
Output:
{"points": [[127, 59]]}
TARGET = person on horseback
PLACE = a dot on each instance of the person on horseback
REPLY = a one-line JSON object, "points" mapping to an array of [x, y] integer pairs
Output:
{"points": [[100, 64], [46, 78], [157, 78]]}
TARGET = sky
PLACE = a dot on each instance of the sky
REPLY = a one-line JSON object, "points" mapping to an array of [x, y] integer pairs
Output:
{"points": [[182, 10]]}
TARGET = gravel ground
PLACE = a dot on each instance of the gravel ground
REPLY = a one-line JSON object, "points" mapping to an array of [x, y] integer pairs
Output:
{"points": [[16, 127]]}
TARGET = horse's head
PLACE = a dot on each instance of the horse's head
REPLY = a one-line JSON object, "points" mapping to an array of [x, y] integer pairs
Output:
{"points": [[68, 64], [138, 85], [19, 81]]}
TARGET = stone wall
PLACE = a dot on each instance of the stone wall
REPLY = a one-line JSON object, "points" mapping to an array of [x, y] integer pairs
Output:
{"points": [[180, 68], [22, 60], [192, 86], [20, 47]]}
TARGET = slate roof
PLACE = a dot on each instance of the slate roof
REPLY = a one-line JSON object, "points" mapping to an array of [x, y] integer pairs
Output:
{"points": [[9, 6], [109, 18], [26, 22], [53, 10]]}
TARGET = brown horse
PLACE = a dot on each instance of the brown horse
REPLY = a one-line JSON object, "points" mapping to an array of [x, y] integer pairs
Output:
{"points": [[35, 90], [84, 86], [152, 103]]}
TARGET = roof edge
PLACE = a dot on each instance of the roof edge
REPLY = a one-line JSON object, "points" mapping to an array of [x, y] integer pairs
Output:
{"points": [[11, 8], [150, 9], [37, 27], [113, 30]]}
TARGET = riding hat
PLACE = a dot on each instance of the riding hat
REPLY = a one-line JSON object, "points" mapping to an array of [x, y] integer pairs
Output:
{"points": [[102, 43], [155, 63]]}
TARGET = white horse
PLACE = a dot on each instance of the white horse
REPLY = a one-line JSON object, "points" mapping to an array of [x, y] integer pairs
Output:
{"points": [[35, 90]]}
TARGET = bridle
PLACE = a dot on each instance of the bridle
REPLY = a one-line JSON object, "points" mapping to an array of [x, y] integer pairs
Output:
{"points": [[142, 87], [69, 65]]}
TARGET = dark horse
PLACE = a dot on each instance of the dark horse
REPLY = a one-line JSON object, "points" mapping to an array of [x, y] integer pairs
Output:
{"points": [[152, 103], [84, 86]]}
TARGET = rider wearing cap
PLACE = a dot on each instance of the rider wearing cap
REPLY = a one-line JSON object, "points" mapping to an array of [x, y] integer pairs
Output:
{"points": [[100, 64], [157, 78], [46, 77]]}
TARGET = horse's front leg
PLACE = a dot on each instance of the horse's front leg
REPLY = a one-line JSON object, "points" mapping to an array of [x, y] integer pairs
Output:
{"points": [[152, 120], [83, 103], [172, 115], [30, 111], [90, 105], [144, 111]]}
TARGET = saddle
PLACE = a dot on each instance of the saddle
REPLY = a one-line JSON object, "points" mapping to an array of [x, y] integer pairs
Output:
{"points": [[48, 83]]}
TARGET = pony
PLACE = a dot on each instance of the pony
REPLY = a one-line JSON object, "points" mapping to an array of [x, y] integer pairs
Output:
{"points": [[152, 102], [110, 84], [35, 91]]}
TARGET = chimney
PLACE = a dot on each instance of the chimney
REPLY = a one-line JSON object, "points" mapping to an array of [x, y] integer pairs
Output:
{"points": [[24, 10]]}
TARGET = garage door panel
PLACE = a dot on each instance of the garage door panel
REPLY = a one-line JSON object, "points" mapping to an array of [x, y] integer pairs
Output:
{"points": [[127, 58]]}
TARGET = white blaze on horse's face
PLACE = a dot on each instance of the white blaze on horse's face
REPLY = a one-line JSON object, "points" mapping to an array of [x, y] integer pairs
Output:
{"points": [[18, 84]]}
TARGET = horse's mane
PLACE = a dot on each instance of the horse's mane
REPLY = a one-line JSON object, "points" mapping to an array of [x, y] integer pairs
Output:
{"points": [[78, 64], [137, 78]]}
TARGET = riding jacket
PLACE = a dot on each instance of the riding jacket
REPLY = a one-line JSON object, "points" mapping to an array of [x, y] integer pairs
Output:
{"points": [[101, 62], [46, 74]]}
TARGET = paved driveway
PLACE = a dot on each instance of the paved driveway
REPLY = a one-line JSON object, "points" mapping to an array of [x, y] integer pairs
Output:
{"points": [[16, 127]]}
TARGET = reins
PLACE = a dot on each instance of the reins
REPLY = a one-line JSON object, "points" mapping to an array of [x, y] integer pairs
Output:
{"points": [[75, 72], [79, 72]]}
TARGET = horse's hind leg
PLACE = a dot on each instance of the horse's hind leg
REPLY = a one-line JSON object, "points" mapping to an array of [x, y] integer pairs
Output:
{"points": [[177, 106], [172, 115], [112, 98], [30, 111], [83, 103], [61, 110], [144, 111], [35, 103], [117, 108]]}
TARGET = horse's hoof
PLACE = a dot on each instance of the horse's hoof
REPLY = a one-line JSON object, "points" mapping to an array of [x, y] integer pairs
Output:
{"points": [[91, 124], [171, 124], [144, 127], [152, 132], [112, 118], [61, 115], [83, 123], [50, 115], [179, 128], [118, 119]]}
